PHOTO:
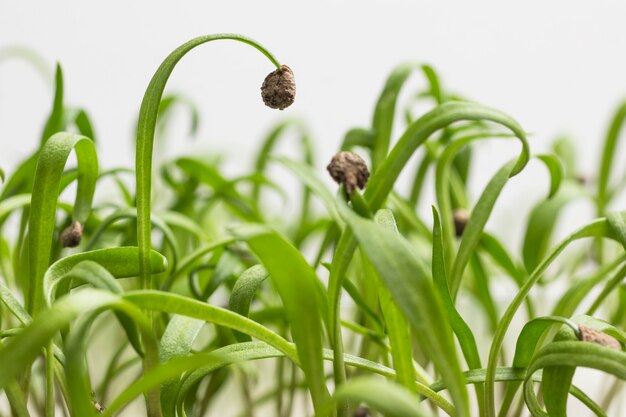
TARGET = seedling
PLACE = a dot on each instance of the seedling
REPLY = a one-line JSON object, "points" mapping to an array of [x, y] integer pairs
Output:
{"points": [[369, 280]]}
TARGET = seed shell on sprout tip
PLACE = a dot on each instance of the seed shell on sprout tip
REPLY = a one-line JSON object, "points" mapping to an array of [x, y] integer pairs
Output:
{"points": [[72, 235], [279, 88], [361, 412], [460, 217], [349, 169], [588, 334]]}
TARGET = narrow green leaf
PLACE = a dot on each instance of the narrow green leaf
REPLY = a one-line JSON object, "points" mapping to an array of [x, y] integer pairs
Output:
{"points": [[303, 298], [120, 262], [411, 286], [383, 180], [384, 113], [397, 326], [358, 137], [464, 334], [176, 341], [129, 213], [390, 399], [572, 354], [527, 343], [608, 155], [41, 227], [55, 120], [246, 286], [148, 115], [474, 228], [542, 221], [597, 229]]}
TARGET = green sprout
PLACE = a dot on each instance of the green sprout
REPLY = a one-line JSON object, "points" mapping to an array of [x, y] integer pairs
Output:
{"points": [[353, 299]]}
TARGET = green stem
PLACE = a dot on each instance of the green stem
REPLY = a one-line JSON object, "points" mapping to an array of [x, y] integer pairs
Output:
{"points": [[595, 229], [49, 363], [146, 126]]}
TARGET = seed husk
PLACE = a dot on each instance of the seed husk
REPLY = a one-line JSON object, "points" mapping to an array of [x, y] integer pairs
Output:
{"points": [[71, 236], [279, 88], [461, 217], [587, 334], [349, 169], [362, 412]]}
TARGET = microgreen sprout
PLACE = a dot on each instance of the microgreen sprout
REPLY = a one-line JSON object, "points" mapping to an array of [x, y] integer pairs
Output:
{"points": [[406, 304]]}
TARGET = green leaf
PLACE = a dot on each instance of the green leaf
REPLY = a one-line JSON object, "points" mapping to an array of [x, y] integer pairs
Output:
{"points": [[411, 286], [610, 285], [17, 400], [52, 160], [11, 204], [397, 326], [464, 334], [170, 101], [527, 343], [120, 262], [14, 306], [55, 122], [83, 122], [224, 188], [264, 155], [22, 349], [597, 229], [477, 221], [390, 399], [176, 341], [571, 299], [360, 137], [308, 177], [570, 354], [556, 170], [518, 375], [418, 132], [617, 222], [148, 115], [608, 155], [542, 221], [129, 213], [303, 299], [444, 175], [384, 113], [246, 286], [383, 180], [197, 366]]}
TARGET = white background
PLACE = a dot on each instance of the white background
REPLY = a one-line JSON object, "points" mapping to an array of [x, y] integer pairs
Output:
{"points": [[558, 67]]}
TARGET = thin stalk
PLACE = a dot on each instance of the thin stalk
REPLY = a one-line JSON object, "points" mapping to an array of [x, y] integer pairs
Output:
{"points": [[146, 127]]}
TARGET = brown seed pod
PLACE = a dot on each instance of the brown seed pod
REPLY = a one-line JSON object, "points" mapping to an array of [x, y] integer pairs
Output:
{"points": [[581, 179], [96, 404], [587, 334], [361, 412], [461, 217], [99, 407], [349, 169], [71, 236], [279, 88]]}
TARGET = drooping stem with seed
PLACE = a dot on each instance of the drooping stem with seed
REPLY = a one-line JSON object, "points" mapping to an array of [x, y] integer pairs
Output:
{"points": [[148, 114]]}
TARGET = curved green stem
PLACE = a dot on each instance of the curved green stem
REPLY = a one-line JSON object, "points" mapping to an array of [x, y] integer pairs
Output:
{"points": [[598, 228], [146, 126]]}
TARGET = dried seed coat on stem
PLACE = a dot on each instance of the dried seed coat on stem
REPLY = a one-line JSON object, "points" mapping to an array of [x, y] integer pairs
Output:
{"points": [[279, 88], [587, 334], [349, 169], [460, 217], [71, 236]]}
